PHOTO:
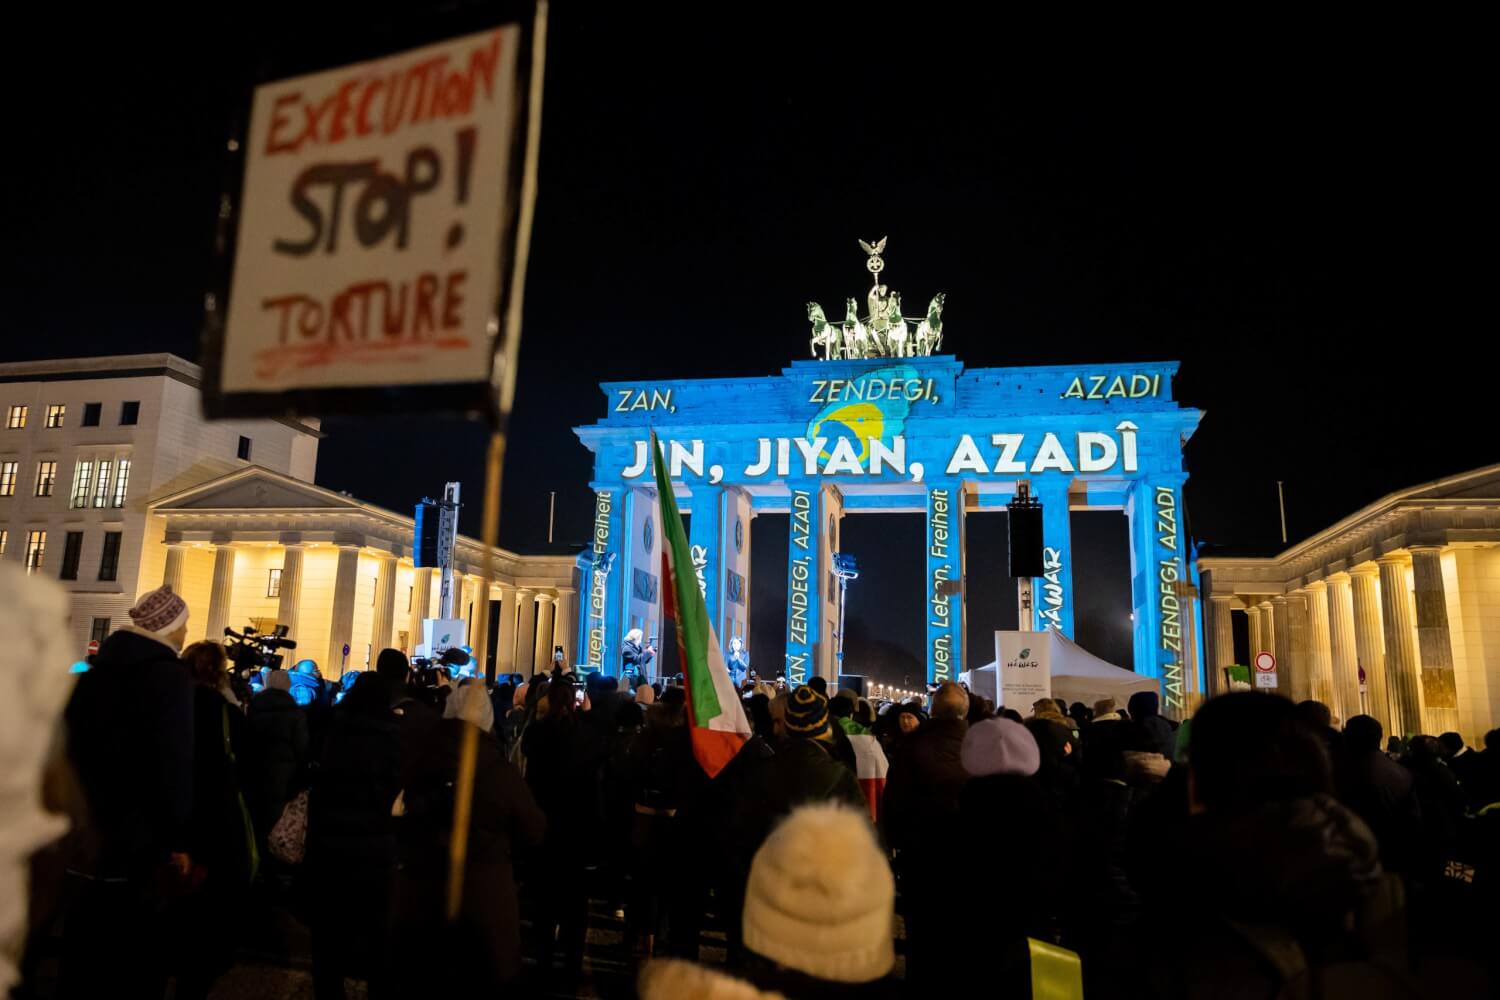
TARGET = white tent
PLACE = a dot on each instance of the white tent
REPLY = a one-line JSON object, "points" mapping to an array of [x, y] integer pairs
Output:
{"points": [[1077, 675]]}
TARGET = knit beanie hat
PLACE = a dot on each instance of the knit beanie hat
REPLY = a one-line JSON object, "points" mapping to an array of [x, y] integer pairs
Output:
{"points": [[806, 713], [820, 898], [999, 746], [278, 680], [160, 611]]}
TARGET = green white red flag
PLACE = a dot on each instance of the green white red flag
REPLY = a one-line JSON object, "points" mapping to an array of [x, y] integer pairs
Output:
{"points": [[716, 717]]}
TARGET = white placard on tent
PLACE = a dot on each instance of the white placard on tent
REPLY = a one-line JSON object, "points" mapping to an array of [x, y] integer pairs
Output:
{"points": [[1025, 660]]}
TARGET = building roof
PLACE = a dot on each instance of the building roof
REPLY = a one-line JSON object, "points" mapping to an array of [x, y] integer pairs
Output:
{"points": [[257, 501]]}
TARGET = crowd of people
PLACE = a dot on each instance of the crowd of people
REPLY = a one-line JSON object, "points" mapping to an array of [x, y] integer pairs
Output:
{"points": [[1254, 850]]}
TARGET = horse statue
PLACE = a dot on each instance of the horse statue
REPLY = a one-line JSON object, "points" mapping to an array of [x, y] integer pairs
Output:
{"points": [[930, 330], [856, 337], [823, 333]]}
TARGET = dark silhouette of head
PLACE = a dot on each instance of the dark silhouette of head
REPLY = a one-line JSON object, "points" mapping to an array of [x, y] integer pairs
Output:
{"points": [[1143, 704], [1362, 734], [1452, 743], [1314, 713], [1249, 748], [819, 685]]}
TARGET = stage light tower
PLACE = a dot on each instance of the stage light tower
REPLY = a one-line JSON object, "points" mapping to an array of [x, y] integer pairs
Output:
{"points": [[845, 568]]}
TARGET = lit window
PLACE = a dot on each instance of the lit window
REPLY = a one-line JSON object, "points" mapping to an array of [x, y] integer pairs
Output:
{"points": [[101, 484], [129, 413], [8, 473], [374, 589], [91, 413], [410, 591], [83, 474], [17, 418], [4, 538], [122, 482], [46, 478], [99, 631], [72, 550], [244, 448], [36, 550], [109, 561], [273, 585], [56, 414]]}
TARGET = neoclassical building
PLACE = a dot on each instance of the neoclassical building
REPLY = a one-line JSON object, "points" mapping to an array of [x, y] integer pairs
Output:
{"points": [[112, 483], [1392, 612], [256, 546]]}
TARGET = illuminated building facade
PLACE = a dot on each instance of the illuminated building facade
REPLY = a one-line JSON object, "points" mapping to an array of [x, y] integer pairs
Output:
{"points": [[1393, 612], [112, 482]]}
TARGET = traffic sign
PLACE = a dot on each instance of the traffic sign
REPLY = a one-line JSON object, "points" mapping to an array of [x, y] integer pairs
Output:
{"points": [[1264, 680], [93, 647], [1265, 663]]}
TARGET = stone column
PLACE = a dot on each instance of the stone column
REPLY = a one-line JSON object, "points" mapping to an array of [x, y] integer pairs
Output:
{"points": [[290, 598], [421, 599], [525, 631], [222, 593], [1400, 650], [1253, 612], [384, 619], [1268, 626], [505, 645], [1341, 644], [479, 628], [543, 657], [176, 553], [1299, 643], [1221, 634], [341, 627], [1320, 647], [566, 632], [1368, 641], [1286, 674], [1434, 646]]}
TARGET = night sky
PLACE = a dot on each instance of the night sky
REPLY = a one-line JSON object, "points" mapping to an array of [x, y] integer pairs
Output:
{"points": [[1293, 224]]}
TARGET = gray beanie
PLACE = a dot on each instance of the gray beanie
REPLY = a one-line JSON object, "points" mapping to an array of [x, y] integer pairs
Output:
{"points": [[1000, 746]]}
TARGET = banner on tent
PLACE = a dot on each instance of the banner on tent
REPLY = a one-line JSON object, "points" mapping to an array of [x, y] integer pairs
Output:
{"points": [[1025, 665]]}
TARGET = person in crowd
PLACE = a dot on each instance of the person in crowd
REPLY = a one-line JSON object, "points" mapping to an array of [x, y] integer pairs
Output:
{"points": [[645, 694], [482, 949], [980, 708], [1379, 790], [351, 840], [841, 710], [894, 728], [130, 741], [415, 717], [221, 838], [635, 654], [758, 711], [1156, 733], [1081, 715], [661, 776], [1465, 764], [864, 714], [1319, 718], [818, 917], [1058, 771], [277, 754], [563, 767], [820, 685], [1305, 909], [921, 810], [1011, 714], [1440, 800], [1004, 806]]}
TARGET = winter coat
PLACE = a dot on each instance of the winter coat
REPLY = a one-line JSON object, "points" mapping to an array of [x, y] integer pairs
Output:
{"points": [[635, 657], [221, 836], [661, 768], [130, 738], [674, 979], [1382, 793], [1303, 910], [415, 722], [349, 809], [1016, 817], [1441, 801], [564, 763], [276, 755], [923, 785], [505, 819]]}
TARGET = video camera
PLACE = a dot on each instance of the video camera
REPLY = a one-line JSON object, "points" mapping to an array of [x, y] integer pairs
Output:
{"points": [[253, 650], [426, 667]]}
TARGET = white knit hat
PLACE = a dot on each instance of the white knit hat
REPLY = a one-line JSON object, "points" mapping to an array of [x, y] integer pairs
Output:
{"points": [[820, 897]]}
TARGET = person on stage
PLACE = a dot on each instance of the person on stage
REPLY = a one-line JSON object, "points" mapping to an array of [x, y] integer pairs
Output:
{"points": [[636, 653], [738, 660]]}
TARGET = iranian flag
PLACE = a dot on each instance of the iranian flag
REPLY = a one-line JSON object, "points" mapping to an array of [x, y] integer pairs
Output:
{"points": [[716, 718]]}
